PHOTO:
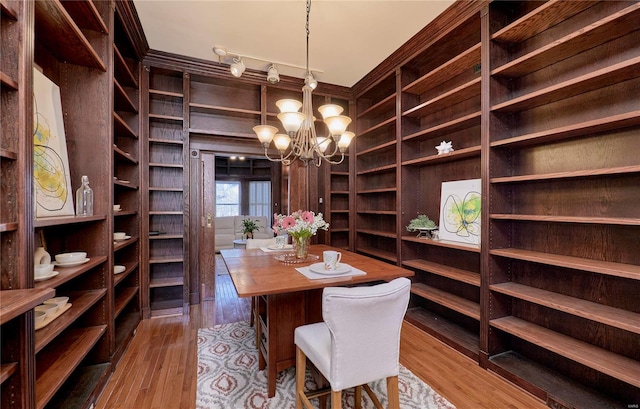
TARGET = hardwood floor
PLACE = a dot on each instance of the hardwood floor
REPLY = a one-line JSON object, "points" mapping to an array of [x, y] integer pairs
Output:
{"points": [[159, 368]]}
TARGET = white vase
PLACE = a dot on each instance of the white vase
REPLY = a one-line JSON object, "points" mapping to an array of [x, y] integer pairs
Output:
{"points": [[41, 256]]}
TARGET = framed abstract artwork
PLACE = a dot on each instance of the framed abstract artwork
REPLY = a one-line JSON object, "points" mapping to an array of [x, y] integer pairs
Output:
{"points": [[51, 179], [460, 207]]}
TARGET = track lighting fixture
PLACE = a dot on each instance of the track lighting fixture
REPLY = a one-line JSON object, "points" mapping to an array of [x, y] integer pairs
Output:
{"points": [[272, 75], [237, 68]]}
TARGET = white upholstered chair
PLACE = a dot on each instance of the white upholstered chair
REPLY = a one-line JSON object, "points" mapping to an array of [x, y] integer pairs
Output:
{"points": [[256, 244], [358, 342]]}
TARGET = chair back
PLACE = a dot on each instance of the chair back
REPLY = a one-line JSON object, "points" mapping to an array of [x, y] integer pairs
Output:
{"points": [[365, 324], [257, 243]]}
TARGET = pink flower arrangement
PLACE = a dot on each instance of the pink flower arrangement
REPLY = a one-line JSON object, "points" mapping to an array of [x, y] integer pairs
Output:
{"points": [[300, 224]]}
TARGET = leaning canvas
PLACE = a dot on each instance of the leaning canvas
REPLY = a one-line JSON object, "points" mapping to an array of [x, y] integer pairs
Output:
{"points": [[51, 178], [460, 206]]}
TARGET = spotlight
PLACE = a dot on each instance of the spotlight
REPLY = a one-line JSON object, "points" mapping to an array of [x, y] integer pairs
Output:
{"points": [[311, 81], [272, 76], [237, 68]]}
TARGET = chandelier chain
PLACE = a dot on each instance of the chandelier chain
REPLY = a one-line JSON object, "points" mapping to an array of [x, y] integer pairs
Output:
{"points": [[307, 28]]}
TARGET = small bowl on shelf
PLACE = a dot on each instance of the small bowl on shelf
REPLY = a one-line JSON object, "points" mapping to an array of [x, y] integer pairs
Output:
{"points": [[48, 309], [58, 301], [42, 270], [119, 235], [67, 258], [40, 317], [116, 208]]}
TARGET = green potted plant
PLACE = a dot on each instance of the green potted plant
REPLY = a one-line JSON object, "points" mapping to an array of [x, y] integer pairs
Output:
{"points": [[249, 226], [423, 225]]}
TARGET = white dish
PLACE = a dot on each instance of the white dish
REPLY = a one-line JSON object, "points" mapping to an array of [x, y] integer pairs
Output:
{"points": [[123, 239], [71, 257], [72, 264], [48, 276], [117, 210], [118, 269], [59, 301], [319, 268], [285, 247]]}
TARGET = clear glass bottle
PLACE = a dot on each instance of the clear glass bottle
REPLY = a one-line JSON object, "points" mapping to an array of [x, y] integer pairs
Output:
{"points": [[84, 199]]}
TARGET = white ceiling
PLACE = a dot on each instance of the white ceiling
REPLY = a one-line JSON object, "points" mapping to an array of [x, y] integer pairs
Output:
{"points": [[347, 38]]}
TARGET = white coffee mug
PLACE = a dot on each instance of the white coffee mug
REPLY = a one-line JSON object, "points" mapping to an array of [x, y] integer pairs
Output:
{"points": [[280, 241], [331, 259]]}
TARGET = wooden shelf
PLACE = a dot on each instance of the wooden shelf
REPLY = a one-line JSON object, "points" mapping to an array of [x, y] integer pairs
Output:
{"points": [[384, 168], [443, 270], [452, 68], [569, 175], [448, 332], [382, 212], [162, 117], [615, 73], [129, 268], [449, 127], [614, 365], [445, 157], [552, 384], [541, 18], [165, 260], [374, 149], [166, 212], [461, 93], [166, 237], [128, 185], [603, 314], [621, 221], [8, 154], [591, 127], [122, 71], [8, 11], [7, 81], [165, 189], [59, 362], [124, 155], [68, 273], [166, 282], [56, 30], [86, 14], [214, 132], [379, 253], [444, 243], [375, 191], [17, 302], [122, 100], [64, 220], [163, 93], [119, 245], [167, 307], [381, 233], [227, 111], [623, 22], [453, 302], [7, 227], [124, 296], [80, 303], [380, 125], [7, 370], [629, 271], [166, 141], [382, 106], [122, 128], [165, 165]]}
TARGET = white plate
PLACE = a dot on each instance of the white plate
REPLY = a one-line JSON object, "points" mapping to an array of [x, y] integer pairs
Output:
{"points": [[319, 268], [118, 269], [48, 276], [125, 238], [119, 210], [286, 247], [71, 264]]}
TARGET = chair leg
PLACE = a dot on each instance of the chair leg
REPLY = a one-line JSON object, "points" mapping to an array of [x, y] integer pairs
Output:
{"points": [[301, 368], [252, 311], [393, 393], [336, 399], [357, 397]]}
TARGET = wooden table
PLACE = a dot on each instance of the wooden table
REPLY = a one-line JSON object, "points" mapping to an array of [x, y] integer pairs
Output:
{"points": [[286, 299]]}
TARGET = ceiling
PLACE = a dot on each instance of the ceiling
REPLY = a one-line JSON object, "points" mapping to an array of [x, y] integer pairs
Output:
{"points": [[347, 38]]}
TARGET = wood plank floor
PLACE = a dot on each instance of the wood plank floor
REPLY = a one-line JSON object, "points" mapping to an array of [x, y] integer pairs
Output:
{"points": [[159, 368]]}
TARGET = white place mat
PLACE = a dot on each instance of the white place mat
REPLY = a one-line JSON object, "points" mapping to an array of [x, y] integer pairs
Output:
{"points": [[287, 247], [305, 271]]}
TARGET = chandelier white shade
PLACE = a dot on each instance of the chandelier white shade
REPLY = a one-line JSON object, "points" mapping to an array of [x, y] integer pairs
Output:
{"points": [[301, 140]]}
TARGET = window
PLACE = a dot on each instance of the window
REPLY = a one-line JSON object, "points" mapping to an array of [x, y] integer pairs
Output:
{"points": [[260, 199], [227, 199]]}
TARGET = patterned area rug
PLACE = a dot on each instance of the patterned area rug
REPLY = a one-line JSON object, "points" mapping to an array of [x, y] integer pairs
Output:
{"points": [[228, 377]]}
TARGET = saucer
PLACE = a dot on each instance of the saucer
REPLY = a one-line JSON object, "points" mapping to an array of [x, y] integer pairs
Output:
{"points": [[285, 247], [48, 276], [123, 239], [319, 268], [71, 264]]}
